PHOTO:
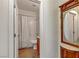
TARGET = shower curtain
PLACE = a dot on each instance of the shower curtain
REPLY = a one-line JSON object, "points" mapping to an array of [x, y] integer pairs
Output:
{"points": [[27, 32]]}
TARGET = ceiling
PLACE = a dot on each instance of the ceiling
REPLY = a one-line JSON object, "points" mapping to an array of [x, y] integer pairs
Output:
{"points": [[29, 5]]}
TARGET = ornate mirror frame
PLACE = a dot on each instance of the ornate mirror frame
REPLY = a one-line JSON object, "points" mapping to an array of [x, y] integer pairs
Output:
{"points": [[66, 6]]}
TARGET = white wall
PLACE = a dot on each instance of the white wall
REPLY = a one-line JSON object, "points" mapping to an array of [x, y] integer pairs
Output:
{"points": [[4, 28], [49, 29]]}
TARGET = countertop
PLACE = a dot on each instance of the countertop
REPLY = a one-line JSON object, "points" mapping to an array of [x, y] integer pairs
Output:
{"points": [[69, 47]]}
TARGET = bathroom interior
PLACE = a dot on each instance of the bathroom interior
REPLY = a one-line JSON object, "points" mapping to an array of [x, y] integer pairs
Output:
{"points": [[28, 28]]}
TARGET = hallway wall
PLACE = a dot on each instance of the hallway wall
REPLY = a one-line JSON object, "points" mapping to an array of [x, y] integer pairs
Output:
{"points": [[49, 29], [4, 28]]}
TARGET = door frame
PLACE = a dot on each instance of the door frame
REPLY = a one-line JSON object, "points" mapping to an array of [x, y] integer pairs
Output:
{"points": [[13, 53], [11, 29]]}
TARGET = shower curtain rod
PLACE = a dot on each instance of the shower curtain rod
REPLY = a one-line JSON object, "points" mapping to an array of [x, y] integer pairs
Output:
{"points": [[26, 15], [35, 1]]}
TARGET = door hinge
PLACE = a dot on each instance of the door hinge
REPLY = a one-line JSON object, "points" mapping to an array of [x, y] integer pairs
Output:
{"points": [[14, 35], [14, 6]]}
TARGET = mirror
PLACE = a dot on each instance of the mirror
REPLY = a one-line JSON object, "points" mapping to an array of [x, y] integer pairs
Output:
{"points": [[70, 23]]}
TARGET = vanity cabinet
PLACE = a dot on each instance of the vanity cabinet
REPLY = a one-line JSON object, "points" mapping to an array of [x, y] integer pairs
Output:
{"points": [[38, 46], [70, 29], [65, 53]]}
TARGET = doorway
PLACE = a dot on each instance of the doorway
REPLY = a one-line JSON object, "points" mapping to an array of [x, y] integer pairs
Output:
{"points": [[27, 27]]}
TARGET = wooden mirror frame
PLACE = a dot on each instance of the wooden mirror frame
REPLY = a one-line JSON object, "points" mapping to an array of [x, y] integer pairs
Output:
{"points": [[66, 6]]}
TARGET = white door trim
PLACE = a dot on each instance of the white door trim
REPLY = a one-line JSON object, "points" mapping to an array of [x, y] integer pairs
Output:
{"points": [[11, 29]]}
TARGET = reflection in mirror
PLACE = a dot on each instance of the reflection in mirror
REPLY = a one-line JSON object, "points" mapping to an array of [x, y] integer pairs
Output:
{"points": [[71, 25]]}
